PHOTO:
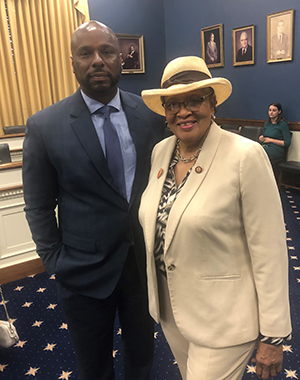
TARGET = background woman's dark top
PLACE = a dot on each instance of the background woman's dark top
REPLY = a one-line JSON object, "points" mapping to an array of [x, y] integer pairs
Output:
{"points": [[278, 131]]}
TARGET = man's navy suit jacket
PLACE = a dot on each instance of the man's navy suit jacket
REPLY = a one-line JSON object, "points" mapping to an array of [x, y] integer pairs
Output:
{"points": [[64, 166]]}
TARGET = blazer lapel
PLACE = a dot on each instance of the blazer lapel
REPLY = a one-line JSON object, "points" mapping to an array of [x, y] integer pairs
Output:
{"points": [[162, 160], [194, 181], [83, 127]]}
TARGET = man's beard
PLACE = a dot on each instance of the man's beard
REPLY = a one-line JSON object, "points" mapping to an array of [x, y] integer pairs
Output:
{"points": [[101, 87]]}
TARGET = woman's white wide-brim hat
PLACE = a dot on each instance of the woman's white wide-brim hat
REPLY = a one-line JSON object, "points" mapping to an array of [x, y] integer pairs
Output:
{"points": [[185, 74]]}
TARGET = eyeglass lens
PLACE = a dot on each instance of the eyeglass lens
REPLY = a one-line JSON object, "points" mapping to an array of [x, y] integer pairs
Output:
{"points": [[192, 104]]}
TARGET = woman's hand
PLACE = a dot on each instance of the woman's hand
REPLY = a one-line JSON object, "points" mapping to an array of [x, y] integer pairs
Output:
{"points": [[268, 360], [268, 140], [265, 140]]}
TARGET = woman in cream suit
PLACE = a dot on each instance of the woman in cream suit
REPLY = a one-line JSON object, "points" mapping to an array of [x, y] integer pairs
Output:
{"points": [[214, 233]]}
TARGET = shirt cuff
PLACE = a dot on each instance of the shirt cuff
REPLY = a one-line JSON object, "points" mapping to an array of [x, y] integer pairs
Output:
{"points": [[273, 341]]}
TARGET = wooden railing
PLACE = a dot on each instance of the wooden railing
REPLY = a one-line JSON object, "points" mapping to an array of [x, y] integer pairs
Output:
{"points": [[12, 135], [11, 165]]}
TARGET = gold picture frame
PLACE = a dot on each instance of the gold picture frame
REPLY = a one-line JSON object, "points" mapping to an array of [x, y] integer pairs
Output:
{"points": [[280, 36], [132, 53], [243, 45], [213, 45]]}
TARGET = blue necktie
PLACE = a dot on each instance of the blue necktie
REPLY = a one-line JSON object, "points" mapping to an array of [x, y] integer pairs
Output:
{"points": [[113, 150]]}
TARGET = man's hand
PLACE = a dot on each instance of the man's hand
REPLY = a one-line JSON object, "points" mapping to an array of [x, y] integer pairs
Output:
{"points": [[268, 360]]}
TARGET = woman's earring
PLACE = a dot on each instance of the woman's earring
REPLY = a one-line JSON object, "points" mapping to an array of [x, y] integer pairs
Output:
{"points": [[167, 125]]}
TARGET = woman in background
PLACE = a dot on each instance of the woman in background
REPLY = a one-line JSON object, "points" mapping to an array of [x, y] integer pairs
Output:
{"points": [[276, 136], [214, 233]]}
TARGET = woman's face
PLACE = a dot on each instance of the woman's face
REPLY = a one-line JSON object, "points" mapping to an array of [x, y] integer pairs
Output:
{"points": [[189, 124], [273, 112]]}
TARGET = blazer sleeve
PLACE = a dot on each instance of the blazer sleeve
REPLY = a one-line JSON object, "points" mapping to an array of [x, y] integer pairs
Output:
{"points": [[40, 188], [266, 239]]}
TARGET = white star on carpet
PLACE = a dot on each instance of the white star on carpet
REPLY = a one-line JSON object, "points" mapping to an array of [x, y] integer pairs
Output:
{"points": [[2, 367], [65, 375], [21, 343], [52, 306], [41, 290], [37, 324], [291, 374], [27, 304], [287, 348], [251, 368], [49, 347], [18, 288], [114, 353], [32, 371]]}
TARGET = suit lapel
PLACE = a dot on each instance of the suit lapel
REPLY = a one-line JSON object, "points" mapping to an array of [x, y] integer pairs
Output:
{"points": [[194, 182], [83, 127]]}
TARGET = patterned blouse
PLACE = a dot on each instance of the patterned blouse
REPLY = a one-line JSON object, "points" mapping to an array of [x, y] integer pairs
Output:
{"points": [[169, 195]]}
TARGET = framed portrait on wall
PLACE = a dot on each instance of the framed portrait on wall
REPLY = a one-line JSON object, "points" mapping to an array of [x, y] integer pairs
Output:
{"points": [[132, 53], [212, 45], [280, 31], [243, 45]]}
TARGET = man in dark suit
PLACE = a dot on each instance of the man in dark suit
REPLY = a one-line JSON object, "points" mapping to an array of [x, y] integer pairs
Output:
{"points": [[245, 52], [96, 248], [280, 43]]}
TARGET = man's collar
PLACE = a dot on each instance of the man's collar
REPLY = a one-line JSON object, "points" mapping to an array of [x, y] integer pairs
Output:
{"points": [[93, 105]]}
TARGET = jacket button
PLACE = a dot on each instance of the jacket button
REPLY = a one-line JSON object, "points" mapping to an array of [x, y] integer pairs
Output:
{"points": [[171, 267]]}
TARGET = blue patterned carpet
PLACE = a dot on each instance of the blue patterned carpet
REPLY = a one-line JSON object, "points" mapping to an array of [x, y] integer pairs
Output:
{"points": [[45, 352]]}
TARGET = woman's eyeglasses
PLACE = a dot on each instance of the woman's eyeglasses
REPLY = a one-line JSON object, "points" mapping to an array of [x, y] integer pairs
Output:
{"points": [[192, 104]]}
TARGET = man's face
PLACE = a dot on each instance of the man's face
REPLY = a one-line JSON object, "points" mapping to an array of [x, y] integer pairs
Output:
{"points": [[96, 60], [280, 27], [212, 37], [244, 40]]}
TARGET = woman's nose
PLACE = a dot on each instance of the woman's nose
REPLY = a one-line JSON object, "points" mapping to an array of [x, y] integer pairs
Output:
{"points": [[183, 111]]}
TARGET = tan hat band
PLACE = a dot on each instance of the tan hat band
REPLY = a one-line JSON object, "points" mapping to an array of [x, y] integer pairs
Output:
{"points": [[185, 77]]}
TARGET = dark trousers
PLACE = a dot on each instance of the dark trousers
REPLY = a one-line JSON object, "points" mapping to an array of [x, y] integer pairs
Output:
{"points": [[91, 324]]}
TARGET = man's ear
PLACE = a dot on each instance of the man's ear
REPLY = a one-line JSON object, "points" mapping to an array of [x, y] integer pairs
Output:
{"points": [[72, 59], [120, 57]]}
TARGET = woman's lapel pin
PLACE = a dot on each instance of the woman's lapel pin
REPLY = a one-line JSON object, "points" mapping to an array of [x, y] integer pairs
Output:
{"points": [[160, 173], [198, 169]]}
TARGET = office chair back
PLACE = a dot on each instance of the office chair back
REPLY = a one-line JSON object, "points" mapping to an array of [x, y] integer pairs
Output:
{"points": [[4, 154], [14, 129], [251, 132]]}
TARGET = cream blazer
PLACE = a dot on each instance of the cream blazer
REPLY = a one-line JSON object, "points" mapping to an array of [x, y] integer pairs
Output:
{"points": [[225, 244]]}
